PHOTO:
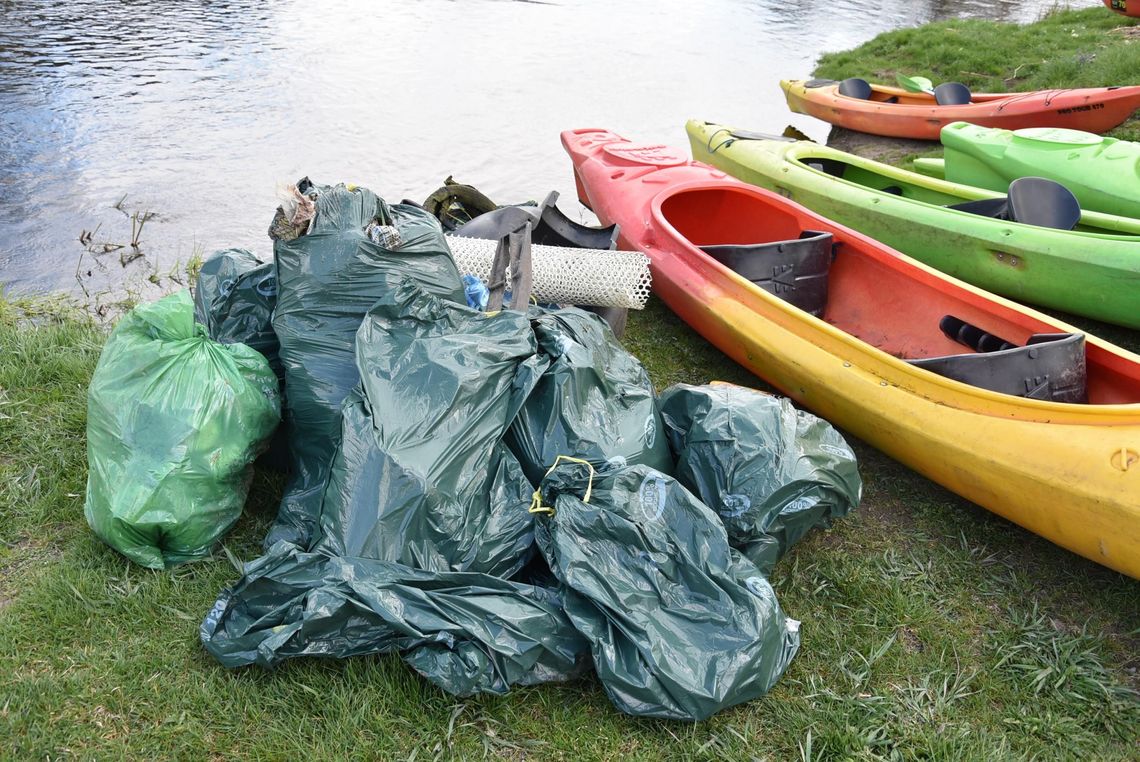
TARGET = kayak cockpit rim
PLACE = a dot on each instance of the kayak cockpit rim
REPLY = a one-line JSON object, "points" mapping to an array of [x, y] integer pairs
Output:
{"points": [[800, 154], [899, 368]]}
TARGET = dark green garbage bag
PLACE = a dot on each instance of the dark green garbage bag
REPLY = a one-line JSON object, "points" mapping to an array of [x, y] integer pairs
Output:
{"points": [[680, 625], [595, 401], [174, 421], [327, 280], [234, 298], [770, 471], [421, 476], [466, 632]]}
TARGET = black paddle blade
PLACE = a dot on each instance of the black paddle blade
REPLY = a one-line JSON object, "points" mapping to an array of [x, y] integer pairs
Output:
{"points": [[1041, 202], [952, 94]]}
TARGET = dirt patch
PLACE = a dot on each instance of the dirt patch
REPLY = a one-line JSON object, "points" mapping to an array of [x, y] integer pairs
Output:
{"points": [[876, 147], [911, 643]]}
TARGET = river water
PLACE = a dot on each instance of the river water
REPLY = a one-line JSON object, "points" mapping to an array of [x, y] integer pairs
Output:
{"points": [[190, 115]]}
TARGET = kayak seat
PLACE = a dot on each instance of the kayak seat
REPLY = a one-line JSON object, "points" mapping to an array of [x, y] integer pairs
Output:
{"points": [[952, 94], [794, 270], [998, 208], [1051, 366], [1031, 201], [549, 226], [554, 228], [892, 99], [1037, 201], [853, 87], [830, 166]]}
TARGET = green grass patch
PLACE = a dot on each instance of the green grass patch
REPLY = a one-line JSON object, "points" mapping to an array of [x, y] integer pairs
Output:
{"points": [[931, 628], [1066, 48]]}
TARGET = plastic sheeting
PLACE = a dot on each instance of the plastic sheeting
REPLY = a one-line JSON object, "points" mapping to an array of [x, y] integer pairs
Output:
{"points": [[770, 472], [234, 298], [327, 280], [422, 476], [174, 422], [680, 625], [595, 401], [466, 632]]}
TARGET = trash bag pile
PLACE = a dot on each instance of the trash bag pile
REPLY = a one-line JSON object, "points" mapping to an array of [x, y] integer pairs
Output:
{"points": [[501, 498]]}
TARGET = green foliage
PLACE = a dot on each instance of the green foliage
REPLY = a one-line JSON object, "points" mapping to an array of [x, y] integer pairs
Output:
{"points": [[931, 628]]}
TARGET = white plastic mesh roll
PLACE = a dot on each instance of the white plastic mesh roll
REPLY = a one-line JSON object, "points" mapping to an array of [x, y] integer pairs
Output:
{"points": [[563, 275]]}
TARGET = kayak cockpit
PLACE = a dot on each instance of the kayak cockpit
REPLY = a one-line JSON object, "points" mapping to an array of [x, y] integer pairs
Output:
{"points": [[870, 293]]}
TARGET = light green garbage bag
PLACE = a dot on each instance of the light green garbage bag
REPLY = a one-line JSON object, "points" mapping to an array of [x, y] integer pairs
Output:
{"points": [[174, 422]]}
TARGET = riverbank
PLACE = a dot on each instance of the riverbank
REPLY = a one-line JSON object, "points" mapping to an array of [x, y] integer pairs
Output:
{"points": [[931, 628], [1086, 48]]}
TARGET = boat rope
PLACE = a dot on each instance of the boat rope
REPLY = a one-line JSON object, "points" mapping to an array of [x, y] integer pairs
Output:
{"points": [[1050, 95], [722, 144]]}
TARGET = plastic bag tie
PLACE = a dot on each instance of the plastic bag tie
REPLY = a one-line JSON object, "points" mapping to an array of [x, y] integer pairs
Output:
{"points": [[536, 505]]}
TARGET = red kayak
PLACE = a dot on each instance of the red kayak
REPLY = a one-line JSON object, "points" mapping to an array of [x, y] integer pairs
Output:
{"points": [[1125, 7], [904, 357], [895, 112]]}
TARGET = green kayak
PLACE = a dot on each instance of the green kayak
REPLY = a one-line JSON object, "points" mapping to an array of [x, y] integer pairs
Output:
{"points": [[1103, 173], [1091, 270]]}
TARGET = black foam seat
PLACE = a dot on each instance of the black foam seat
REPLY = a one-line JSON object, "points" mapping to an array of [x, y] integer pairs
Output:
{"points": [[998, 208], [1037, 201], [795, 270], [952, 94], [853, 87], [1031, 201], [1051, 366]]}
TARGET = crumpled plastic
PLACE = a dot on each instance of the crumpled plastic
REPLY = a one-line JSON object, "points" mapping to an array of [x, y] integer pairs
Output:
{"points": [[769, 471], [422, 476], [595, 401], [327, 280], [680, 625], [465, 632], [174, 422]]}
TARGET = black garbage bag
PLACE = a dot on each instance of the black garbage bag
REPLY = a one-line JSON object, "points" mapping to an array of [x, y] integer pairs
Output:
{"points": [[234, 298], [327, 280], [422, 476], [770, 472], [466, 632], [680, 625], [595, 401]]}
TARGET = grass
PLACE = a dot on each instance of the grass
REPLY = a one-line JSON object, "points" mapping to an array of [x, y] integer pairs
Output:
{"points": [[931, 628], [1082, 48]]}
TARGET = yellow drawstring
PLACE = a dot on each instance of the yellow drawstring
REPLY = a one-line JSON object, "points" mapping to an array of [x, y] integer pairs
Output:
{"points": [[536, 505]]}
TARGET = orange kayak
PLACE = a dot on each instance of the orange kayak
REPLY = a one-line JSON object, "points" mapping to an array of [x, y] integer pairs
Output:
{"points": [[899, 113], [860, 349], [1125, 7]]}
